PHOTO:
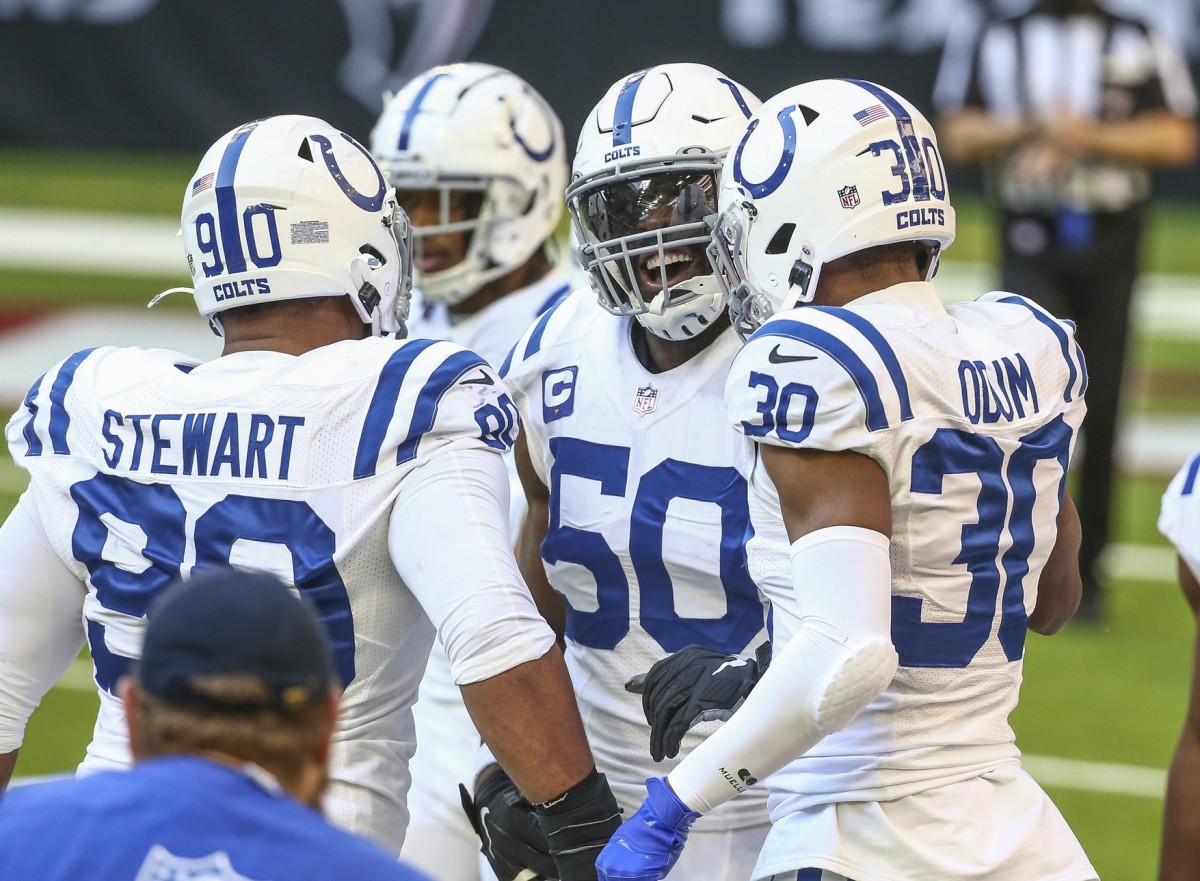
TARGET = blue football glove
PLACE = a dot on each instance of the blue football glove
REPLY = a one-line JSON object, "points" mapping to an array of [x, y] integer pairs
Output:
{"points": [[648, 843]]}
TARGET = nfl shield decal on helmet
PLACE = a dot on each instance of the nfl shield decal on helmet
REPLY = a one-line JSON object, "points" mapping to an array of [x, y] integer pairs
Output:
{"points": [[646, 400], [849, 196]]}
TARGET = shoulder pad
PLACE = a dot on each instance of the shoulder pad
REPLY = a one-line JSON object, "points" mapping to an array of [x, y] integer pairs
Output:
{"points": [[817, 377], [1064, 334], [550, 328], [430, 393]]}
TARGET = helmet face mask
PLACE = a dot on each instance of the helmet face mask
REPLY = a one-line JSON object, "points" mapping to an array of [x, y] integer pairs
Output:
{"points": [[287, 208], [646, 230], [475, 131], [823, 170], [643, 194]]}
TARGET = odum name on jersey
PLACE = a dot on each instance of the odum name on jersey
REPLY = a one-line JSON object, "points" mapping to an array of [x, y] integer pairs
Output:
{"points": [[995, 391], [232, 444]]}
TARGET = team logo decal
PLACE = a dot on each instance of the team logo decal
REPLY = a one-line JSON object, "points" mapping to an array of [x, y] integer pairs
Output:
{"points": [[849, 196], [162, 865], [646, 399], [771, 182]]}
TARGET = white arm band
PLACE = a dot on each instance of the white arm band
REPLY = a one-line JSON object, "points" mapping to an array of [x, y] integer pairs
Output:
{"points": [[839, 660], [449, 541], [41, 619]]}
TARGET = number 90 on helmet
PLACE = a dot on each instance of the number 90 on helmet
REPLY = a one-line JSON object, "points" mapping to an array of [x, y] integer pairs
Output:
{"points": [[822, 170], [289, 207]]}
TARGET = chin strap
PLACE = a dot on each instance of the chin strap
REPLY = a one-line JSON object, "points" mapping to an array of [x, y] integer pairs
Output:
{"points": [[157, 298]]}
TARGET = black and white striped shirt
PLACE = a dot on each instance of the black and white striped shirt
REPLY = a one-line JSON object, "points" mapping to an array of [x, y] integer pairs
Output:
{"points": [[1093, 64]]}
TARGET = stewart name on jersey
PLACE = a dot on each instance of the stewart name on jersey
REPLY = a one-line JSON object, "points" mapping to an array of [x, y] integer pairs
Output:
{"points": [[146, 465]]}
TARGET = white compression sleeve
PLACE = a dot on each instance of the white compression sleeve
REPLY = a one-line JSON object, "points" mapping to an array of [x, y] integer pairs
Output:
{"points": [[449, 541], [41, 613], [840, 658]]}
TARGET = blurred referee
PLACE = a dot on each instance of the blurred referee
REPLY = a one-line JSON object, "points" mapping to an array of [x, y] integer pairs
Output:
{"points": [[1069, 107]]}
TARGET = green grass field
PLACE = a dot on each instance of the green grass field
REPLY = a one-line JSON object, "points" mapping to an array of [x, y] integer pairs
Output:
{"points": [[1109, 693]]}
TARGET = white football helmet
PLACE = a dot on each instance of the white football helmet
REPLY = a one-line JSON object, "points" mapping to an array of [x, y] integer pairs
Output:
{"points": [[823, 169], [479, 129], [288, 207], [643, 183]]}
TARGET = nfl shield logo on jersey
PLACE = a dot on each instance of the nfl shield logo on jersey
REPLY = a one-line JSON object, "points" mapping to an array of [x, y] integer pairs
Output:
{"points": [[646, 400], [849, 196]]}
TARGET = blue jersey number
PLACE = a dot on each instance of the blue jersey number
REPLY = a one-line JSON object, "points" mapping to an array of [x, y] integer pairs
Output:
{"points": [[114, 508], [608, 624], [953, 451]]}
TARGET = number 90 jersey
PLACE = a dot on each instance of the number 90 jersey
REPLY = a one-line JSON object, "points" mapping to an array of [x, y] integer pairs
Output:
{"points": [[146, 465], [648, 516], [972, 413]]}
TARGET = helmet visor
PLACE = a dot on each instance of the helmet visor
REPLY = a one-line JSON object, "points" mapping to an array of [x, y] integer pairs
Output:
{"points": [[642, 238]]}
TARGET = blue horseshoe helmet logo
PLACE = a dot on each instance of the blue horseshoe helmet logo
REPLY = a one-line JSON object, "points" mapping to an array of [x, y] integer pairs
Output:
{"points": [[366, 203], [770, 183], [535, 155]]}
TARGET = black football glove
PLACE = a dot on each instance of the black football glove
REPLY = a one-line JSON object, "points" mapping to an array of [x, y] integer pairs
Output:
{"points": [[513, 840], [578, 824], [693, 685]]}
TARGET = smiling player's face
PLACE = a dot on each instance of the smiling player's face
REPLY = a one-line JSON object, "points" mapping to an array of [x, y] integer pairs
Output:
{"points": [[427, 210]]}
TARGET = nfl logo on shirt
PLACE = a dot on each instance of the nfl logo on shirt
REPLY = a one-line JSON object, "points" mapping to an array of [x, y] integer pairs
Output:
{"points": [[646, 400], [849, 196]]}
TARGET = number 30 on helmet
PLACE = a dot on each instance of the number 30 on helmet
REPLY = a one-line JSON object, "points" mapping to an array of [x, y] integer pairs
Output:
{"points": [[822, 170]]}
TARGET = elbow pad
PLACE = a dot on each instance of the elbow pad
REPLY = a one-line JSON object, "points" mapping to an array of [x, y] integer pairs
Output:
{"points": [[838, 659], [842, 579]]}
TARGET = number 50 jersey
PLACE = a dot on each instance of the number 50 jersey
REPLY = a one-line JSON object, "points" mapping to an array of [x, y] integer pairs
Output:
{"points": [[145, 465], [972, 413], [648, 515]]}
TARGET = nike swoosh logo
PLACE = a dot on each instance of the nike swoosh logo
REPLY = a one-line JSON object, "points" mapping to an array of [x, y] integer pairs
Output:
{"points": [[725, 665], [775, 358], [484, 378]]}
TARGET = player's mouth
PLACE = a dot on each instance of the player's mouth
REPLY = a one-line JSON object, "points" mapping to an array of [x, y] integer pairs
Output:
{"points": [[677, 264], [432, 261]]}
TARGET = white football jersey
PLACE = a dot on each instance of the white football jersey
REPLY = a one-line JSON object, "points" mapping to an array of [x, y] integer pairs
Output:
{"points": [[972, 412], [648, 518], [1179, 519], [447, 742], [147, 465]]}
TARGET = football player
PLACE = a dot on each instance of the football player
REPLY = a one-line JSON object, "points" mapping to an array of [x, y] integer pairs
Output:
{"points": [[636, 485], [479, 163], [909, 516], [1180, 522], [316, 447]]}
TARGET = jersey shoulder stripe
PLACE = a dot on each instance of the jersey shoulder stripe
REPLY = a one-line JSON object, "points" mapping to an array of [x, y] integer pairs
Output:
{"points": [[33, 442], [534, 339], [425, 412], [1072, 354], [57, 419], [886, 353], [1192, 473], [389, 399], [825, 340], [556, 296]]}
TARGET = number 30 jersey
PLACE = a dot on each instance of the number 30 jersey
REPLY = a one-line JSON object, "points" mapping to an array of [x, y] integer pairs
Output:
{"points": [[146, 465], [972, 413], [648, 515]]}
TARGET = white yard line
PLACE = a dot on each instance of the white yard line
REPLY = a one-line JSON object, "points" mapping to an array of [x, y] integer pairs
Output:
{"points": [[1097, 776]]}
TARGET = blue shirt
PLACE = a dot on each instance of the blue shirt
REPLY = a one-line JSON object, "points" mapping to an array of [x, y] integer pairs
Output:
{"points": [[177, 818]]}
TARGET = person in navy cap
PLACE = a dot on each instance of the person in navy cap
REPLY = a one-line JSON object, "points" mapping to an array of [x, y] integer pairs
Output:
{"points": [[230, 714]]}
